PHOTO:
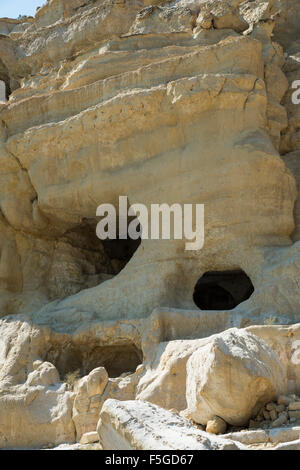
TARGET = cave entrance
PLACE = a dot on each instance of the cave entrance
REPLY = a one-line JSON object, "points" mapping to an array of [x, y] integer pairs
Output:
{"points": [[117, 359], [81, 261], [222, 290], [115, 254]]}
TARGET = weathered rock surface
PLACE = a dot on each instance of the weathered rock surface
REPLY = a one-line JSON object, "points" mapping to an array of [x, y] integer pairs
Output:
{"points": [[152, 73], [216, 425], [176, 373], [188, 101], [35, 406], [231, 377], [137, 425], [87, 401]]}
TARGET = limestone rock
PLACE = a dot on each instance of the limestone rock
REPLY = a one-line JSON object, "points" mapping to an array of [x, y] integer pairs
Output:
{"points": [[282, 419], [89, 438], [87, 401], [137, 425], [294, 405], [216, 425], [231, 377]]}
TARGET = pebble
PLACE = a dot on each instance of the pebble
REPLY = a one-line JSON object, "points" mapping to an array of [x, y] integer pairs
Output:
{"points": [[216, 425], [89, 438], [284, 400], [270, 406], [280, 408], [295, 405], [282, 419]]}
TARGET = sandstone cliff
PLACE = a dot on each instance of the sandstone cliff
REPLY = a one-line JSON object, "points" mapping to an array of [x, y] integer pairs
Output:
{"points": [[182, 101]]}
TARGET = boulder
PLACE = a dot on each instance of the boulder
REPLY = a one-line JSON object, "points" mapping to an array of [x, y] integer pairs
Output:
{"points": [[232, 377], [138, 425], [89, 438], [216, 425]]}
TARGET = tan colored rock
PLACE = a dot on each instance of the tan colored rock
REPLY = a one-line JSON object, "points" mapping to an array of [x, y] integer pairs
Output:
{"points": [[284, 400], [89, 438], [282, 419], [87, 401], [294, 406], [231, 377], [61, 99], [221, 15], [294, 414], [137, 425], [216, 425], [280, 408], [292, 160], [293, 445], [266, 415]]}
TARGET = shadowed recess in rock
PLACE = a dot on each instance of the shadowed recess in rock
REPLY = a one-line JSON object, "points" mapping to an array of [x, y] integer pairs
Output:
{"points": [[83, 359], [222, 290], [81, 260]]}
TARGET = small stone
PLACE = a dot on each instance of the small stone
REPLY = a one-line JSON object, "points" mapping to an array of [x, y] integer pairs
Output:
{"points": [[254, 424], [294, 414], [36, 364], [140, 368], [216, 425], [294, 406], [270, 406], [284, 400], [273, 415], [259, 419], [280, 408], [266, 415], [89, 438], [282, 419]]}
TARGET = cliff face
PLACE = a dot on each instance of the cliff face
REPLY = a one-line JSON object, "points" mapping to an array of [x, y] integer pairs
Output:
{"points": [[165, 102]]}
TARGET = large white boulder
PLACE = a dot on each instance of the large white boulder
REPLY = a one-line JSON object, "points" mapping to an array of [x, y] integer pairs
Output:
{"points": [[139, 425], [232, 376]]}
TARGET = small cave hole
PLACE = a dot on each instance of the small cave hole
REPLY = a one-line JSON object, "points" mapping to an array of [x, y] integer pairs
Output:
{"points": [[222, 290]]}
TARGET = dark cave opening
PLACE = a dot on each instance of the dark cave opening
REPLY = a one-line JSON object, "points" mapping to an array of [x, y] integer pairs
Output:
{"points": [[117, 359], [80, 260], [222, 290], [115, 253]]}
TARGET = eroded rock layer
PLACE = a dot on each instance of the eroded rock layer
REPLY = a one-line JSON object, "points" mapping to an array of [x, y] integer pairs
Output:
{"points": [[183, 101]]}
